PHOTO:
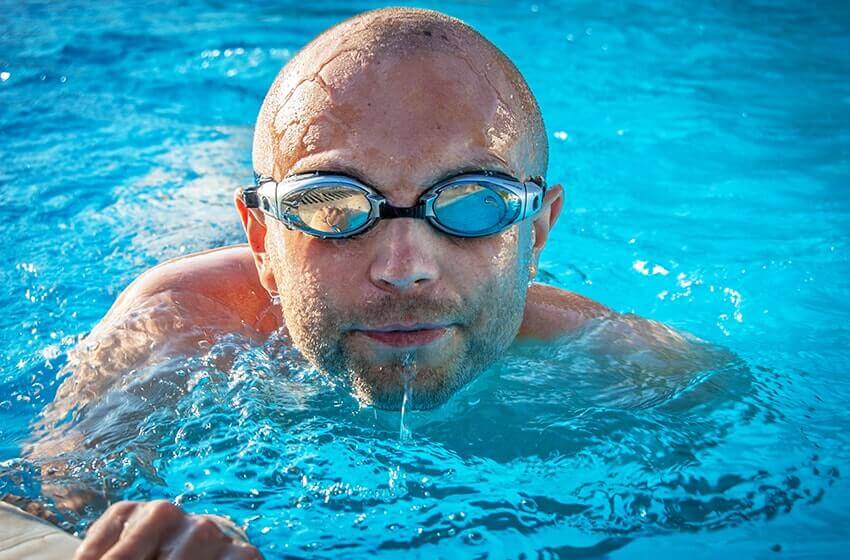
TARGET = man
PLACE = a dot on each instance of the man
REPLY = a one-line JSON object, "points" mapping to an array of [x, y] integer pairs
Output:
{"points": [[398, 217]]}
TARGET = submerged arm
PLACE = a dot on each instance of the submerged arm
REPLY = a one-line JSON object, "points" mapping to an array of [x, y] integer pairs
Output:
{"points": [[552, 314], [130, 365]]}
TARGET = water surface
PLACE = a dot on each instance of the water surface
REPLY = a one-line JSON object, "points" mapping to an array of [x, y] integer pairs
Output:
{"points": [[705, 153]]}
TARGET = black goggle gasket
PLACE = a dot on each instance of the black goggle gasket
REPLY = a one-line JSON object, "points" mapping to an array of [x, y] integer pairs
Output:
{"points": [[529, 196]]}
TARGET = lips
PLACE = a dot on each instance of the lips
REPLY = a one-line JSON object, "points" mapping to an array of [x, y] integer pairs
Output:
{"points": [[401, 336]]}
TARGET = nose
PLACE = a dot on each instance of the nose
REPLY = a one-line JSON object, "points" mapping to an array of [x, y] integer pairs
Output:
{"points": [[405, 256]]}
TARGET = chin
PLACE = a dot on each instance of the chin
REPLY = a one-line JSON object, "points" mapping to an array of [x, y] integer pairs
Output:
{"points": [[383, 389]]}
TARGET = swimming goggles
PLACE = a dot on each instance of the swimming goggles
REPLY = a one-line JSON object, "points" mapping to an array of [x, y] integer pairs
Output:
{"points": [[334, 206]]}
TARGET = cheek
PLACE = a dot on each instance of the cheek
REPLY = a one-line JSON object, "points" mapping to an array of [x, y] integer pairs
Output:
{"points": [[294, 270], [333, 270], [338, 271], [490, 257], [505, 257]]}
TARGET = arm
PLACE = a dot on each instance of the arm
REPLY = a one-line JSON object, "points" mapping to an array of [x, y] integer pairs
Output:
{"points": [[126, 354], [552, 313], [130, 365]]}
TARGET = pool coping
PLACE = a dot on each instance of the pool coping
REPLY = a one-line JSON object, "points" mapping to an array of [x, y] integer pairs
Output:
{"points": [[23, 535]]}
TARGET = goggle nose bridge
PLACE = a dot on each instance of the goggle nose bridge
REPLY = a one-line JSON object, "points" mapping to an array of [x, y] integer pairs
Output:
{"points": [[418, 211]]}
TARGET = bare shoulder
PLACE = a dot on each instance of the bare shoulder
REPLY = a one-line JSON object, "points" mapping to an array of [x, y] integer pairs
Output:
{"points": [[212, 288], [551, 312], [169, 311]]}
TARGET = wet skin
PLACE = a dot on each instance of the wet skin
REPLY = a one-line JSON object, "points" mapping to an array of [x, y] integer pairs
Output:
{"points": [[403, 288], [400, 120]]}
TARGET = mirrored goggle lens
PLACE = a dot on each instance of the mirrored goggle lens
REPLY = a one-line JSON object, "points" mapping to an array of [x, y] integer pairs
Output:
{"points": [[331, 209], [476, 208]]}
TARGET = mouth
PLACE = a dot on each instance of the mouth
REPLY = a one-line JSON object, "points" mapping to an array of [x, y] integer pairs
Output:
{"points": [[406, 336]]}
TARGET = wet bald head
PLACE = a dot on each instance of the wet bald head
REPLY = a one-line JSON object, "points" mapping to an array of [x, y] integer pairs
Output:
{"points": [[380, 82]]}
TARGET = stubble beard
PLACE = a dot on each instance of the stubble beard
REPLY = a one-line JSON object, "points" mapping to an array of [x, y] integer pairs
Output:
{"points": [[486, 327]]}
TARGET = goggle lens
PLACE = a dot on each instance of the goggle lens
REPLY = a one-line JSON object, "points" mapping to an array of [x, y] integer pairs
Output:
{"points": [[475, 208], [332, 209]]}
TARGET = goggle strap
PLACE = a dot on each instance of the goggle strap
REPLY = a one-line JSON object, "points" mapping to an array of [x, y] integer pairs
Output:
{"points": [[250, 197]]}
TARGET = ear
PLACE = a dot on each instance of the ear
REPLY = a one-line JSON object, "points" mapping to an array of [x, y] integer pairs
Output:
{"points": [[255, 228], [543, 223]]}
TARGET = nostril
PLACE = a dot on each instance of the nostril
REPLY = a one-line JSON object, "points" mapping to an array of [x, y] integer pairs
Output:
{"points": [[403, 276], [403, 283]]}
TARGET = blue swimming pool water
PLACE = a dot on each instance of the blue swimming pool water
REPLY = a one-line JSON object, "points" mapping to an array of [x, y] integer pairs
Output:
{"points": [[705, 152]]}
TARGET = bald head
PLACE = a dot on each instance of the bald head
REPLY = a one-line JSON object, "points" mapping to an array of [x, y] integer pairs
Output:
{"points": [[380, 84], [401, 99]]}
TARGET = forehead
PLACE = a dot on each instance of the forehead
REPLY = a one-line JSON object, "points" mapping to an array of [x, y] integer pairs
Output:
{"points": [[400, 121]]}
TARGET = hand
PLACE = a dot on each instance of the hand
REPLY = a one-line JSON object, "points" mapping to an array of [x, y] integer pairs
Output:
{"points": [[142, 530]]}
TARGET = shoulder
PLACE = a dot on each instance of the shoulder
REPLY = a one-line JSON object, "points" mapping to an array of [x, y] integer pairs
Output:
{"points": [[166, 312], [215, 286], [551, 312]]}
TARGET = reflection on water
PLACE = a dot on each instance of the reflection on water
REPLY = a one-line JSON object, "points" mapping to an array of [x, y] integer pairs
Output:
{"points": [[577, 443]]}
